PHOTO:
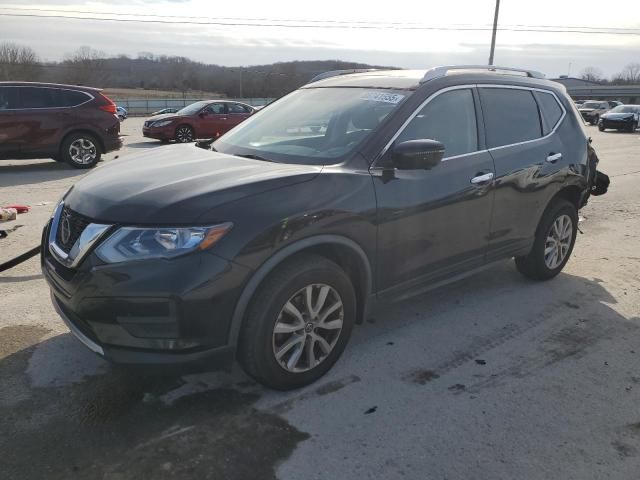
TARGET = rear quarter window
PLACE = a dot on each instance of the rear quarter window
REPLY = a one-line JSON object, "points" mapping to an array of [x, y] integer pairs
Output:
{"points": [[550, 109], [73, 98], [8, 98], [510, 115]]}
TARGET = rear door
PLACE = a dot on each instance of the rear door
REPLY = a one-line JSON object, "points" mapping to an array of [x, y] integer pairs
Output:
{"points": [[528, 159], [434, 223], [237, 114]]}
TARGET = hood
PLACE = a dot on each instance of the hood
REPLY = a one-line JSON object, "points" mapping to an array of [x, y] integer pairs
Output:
{"points": [[162, 116], [176, 185], [617, 116]]}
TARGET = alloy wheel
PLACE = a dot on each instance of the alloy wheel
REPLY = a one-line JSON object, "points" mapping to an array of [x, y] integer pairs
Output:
{"points": [[83, 151], [558, 241], [184, 135], [307, 328]]}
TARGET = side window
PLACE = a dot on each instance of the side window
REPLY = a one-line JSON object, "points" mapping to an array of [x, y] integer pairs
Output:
{"points": [[8, 98], [36, 97], [216, 108], [449, 118], [551, 111], [510, 116], [237, 108]]}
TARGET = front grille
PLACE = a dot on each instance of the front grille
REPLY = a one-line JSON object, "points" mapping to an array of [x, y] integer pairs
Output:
{"points": [[70, 227]]}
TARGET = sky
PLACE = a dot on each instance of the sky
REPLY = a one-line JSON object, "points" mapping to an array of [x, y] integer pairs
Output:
{"points": [[398, 33]]}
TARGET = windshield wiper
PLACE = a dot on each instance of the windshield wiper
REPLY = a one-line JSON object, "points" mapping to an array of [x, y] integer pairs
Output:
{"points": [[256, 157]]}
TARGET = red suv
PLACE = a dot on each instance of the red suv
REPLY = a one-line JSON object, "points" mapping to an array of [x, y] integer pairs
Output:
{"points": [[206, 119], [67, 123]]}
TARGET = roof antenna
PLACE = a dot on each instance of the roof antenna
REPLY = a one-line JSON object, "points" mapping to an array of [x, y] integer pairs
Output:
{"points": [[493, 35]]}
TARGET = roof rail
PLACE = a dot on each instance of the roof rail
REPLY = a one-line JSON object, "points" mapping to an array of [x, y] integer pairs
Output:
{"points": [[335, 73], [437, 72]]}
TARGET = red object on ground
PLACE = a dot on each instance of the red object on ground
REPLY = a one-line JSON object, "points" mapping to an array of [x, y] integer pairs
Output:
{"points": [[19, 208]]}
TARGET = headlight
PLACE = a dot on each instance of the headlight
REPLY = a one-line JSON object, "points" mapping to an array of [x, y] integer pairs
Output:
{"points": [[161, 123], [132, 243]]}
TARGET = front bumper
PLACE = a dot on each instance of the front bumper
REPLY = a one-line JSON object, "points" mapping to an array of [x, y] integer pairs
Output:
{"points": [[154, 312], [159, 133], [616, 124]]}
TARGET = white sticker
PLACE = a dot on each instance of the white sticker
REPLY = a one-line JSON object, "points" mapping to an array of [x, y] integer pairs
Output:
{"points": [[382, 97]]}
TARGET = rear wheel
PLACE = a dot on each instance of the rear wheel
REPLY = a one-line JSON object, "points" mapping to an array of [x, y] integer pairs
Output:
{"points": [[555, 237], [632, 128], [298, 324], [80, 150], [601, 127], [184, 134]]}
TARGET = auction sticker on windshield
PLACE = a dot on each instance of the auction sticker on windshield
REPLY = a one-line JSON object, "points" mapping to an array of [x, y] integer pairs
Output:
{"points": [[382, 97]]}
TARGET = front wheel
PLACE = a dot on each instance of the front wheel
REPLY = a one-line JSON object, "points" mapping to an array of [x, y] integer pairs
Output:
{"points": [[80, 150], [298, 323], [553, 244], [184, 134]]}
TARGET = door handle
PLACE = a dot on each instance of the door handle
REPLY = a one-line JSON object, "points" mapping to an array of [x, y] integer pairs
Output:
{"points": [[223, 118], [554, 157], [484, 178]]}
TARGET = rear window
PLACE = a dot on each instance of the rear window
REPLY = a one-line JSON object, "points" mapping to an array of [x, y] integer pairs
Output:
{"points": [[237, 108], [550, 109], [511, 116]]}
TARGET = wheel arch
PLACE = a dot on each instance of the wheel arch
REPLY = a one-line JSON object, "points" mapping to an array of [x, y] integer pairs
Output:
{"points": [[341, 250], [82, 130]]}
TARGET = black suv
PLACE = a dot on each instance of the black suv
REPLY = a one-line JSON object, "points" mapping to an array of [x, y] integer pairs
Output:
{"points": [[357, 188]]}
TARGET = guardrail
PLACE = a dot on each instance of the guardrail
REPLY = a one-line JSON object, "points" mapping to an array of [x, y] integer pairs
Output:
{"points": [[145, 106]]}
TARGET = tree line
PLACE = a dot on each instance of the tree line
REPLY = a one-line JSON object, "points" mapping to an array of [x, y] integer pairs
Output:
{"points": [[629, 75], [91, 67]]}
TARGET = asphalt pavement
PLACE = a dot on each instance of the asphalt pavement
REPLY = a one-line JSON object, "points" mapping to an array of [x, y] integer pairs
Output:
{"points": [[493, 377]]}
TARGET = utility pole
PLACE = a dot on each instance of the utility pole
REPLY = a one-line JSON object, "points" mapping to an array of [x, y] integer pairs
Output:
{"points": [[241, 82], [493, 35]]}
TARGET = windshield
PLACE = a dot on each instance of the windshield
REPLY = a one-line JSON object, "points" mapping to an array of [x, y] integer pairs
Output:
{"points": [[625, 109], [193, 108], [312, 126], [593, 105]]}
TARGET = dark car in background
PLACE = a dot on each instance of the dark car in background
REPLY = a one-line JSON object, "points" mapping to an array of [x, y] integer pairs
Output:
{"points": [[622, 117], [64, 122], [206, 119], [165, 110], [273, 243], [592, 109]]}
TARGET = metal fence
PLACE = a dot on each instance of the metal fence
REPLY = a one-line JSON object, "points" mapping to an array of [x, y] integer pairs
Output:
{"points": [[145, 106]]}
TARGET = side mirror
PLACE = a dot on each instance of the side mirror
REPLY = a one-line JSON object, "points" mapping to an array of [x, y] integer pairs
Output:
{"points": [[417, 154], [203, 114]]}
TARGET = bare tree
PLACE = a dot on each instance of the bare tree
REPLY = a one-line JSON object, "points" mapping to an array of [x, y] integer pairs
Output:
{"points": [[629, 74], [85, 66], [18, 62], [592, 74]]}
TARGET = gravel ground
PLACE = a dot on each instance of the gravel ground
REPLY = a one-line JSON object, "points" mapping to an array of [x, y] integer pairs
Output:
{"points": [[492, 377]]}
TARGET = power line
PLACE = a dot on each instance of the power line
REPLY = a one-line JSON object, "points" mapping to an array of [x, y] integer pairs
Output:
{"points": [[346, 23], [330, 26]]}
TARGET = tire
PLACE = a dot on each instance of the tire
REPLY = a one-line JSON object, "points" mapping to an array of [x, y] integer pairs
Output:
{"points": [[80, 150], [288, 285], [632, 128], [184, 134], [535, 265], [601, 127]]}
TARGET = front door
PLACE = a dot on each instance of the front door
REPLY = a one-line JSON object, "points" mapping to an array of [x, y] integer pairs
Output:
{"points": [[433, 224], [213, 121], [12, 125]]}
